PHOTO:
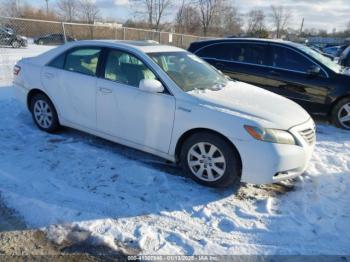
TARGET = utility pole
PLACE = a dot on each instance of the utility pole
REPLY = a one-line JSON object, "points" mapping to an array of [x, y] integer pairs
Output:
{"points": [[301, 27], [47, 7]]}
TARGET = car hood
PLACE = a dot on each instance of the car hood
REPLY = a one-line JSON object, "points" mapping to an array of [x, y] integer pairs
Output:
{"points": [[254, 103], [345, 71]]}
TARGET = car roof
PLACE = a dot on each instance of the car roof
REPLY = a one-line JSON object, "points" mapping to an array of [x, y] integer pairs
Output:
{"points": [[228, 40], [143, 46]]}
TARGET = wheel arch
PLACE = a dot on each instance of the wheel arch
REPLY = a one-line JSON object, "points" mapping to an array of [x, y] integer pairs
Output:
{"points": [[335, 102], [34, 92], [190, 132]]}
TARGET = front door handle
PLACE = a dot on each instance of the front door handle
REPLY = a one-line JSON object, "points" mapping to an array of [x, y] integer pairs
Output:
{"points": [[105, 90]]}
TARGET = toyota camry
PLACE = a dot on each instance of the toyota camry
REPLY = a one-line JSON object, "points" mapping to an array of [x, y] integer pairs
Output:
{"points": [[168, 102]]}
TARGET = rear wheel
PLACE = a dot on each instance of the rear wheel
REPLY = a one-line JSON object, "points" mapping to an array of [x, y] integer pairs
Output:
{"points": [[44, 113], [341, 114], [16, 44], [210, 160]]}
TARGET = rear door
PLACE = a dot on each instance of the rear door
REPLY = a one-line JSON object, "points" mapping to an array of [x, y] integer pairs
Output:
{"points": [[289, 72], [71, 80], [243, 61]]}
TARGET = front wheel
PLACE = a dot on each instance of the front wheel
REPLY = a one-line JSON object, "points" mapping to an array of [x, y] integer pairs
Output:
{"points": [[44, 113], [341, 114], [210, 160]]}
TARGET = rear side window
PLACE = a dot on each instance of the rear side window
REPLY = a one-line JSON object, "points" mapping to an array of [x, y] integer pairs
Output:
{"points": [[218, 51], [286, 58], [250, 53], [83, 60]]}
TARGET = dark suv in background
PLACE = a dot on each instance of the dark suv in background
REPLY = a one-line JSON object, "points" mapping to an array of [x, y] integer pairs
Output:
{"points": [[292, 70], [8, 37]]}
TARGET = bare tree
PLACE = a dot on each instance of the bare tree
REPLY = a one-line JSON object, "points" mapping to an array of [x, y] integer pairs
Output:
{"points": [[280, 18], [256, 21], [12, 8], [208, 9], [68, 9], [89, 11], [187, 19], [154, 10], [228, 20]]}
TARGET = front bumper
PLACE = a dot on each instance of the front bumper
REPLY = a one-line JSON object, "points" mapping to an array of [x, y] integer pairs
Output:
{"points": [[265, 163]]}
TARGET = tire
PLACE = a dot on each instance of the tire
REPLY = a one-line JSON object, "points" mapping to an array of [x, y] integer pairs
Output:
{"points": [[218, 155], [340, 115], [16, 44], [44, 113]]}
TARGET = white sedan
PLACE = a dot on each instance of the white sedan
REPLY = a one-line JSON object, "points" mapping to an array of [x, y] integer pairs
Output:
{"points": [[170, 103]]}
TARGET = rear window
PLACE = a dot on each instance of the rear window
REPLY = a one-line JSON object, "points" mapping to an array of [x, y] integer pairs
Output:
{"points": [[83, 60], [218, 51], [250, 53], [237, 52], [58, 62]]}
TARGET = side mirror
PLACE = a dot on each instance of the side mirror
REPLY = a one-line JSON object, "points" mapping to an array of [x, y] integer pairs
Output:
{"points": [[151, 85], [314, 70]]}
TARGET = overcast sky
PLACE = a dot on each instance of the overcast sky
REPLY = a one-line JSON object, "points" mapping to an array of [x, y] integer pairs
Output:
{"points": [[320, 14]]}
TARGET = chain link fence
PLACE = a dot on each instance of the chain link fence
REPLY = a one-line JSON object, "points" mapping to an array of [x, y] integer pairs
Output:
{"points": [[42, 35], [40, 32]]}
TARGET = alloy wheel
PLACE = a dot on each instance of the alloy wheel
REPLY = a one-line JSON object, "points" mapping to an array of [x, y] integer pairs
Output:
{"points": [[344, 116], [43, 114], [206, 161]]}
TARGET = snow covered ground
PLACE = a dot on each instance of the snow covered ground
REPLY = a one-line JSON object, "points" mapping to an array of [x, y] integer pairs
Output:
{"points": [[72, 181]]}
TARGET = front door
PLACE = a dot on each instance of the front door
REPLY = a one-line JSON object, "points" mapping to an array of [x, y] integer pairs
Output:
{"points": [[125, 111], [291, 78]]}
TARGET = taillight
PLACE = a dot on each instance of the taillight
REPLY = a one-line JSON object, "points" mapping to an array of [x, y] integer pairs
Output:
{"points": [[16, 70]]}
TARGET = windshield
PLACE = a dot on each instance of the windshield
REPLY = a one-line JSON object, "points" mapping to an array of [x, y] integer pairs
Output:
{"points": [[320, 58], [188, 71]]}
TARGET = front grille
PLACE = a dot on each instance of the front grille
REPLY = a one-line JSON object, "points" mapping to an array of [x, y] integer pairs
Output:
{"points": [[308, 135]]}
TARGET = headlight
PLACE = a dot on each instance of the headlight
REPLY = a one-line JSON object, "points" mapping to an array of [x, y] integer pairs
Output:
{"points": [[271, 135]]}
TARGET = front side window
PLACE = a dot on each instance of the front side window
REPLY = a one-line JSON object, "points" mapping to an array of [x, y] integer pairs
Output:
{"points": [[286, 58], [125, 68], [83, 60], [188, 71], [319, 57]]}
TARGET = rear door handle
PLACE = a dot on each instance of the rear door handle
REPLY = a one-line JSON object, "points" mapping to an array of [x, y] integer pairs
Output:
{"points": [[105, 90], [49, 75], [274, 73]]}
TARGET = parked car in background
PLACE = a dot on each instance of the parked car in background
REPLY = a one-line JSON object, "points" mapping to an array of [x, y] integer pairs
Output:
{"points": [[334, 51], [293, 70], [8, 37], [168, 102], [344, 59], [52, 39], [324, 54]]}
